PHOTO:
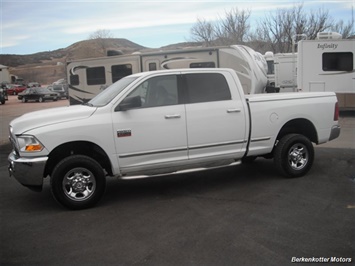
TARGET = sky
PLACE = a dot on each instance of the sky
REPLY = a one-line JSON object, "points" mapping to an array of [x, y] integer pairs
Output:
{"points": [[31, 26]]}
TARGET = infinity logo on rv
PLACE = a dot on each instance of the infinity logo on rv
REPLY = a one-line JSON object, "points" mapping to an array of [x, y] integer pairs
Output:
{"points": [[327, 46]]}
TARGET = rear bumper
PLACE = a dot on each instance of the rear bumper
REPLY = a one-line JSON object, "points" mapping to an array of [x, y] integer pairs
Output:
{"points": [[334, 133], [27, 171]]}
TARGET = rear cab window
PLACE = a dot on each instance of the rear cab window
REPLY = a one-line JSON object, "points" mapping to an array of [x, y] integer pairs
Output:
{"points": [[206, 87]]}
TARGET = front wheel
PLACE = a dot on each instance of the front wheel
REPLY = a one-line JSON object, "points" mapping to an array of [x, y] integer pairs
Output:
{"points": [[293, 155], [78, 182]]}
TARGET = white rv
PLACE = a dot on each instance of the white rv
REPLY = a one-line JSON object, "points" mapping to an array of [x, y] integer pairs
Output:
{"points": [[327, 64], [4, 74], [281, 73], [88, 77]]}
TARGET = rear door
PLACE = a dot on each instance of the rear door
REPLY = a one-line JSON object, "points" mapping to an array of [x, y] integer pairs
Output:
{"points": [[215, 116]]}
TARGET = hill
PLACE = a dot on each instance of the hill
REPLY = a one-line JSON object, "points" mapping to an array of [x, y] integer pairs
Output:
{"points": [[47, 67]]}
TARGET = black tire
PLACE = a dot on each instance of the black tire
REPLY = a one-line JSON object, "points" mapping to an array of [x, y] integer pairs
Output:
{"points": [[24, 100], [294, 155], [40, 99], [78, 182]]}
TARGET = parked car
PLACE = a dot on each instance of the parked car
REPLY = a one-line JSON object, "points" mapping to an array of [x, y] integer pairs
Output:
{"points": [[60, 89], [60, 82], [38, 94], [14, 89], [33, 84]]}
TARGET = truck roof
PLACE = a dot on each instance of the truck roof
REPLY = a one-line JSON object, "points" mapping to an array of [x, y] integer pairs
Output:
{"points": [[178, 70]]}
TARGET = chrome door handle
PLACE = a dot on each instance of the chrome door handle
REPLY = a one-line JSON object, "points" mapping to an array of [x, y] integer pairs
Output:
{"points": [[233, 111], [172, 116]]}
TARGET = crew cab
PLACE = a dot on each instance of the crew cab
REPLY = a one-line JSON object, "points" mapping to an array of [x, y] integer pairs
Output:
{"points": [[162, 122]]}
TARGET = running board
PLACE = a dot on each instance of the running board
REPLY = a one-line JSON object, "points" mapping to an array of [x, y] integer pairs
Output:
{"points": [[179, 172]]}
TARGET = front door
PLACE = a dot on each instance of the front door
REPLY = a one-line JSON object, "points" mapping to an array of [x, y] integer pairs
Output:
{"points": [[154, 134]]}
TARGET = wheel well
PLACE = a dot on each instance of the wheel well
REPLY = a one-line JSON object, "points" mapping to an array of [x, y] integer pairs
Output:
{"points": [[78, 147], [299, 126]]}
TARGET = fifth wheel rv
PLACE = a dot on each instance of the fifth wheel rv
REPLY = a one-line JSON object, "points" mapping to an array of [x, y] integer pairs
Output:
{"points": [[88, 77]]}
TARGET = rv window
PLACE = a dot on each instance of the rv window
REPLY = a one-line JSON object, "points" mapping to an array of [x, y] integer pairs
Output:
{"points": [[203, 65], [207, 87], [270, 67], [152, 66], [74, 80], [338, 61], [95, 75], [120, 71]]}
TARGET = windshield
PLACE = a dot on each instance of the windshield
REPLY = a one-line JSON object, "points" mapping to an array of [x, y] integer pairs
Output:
{"points": [[111, 92], [42, 90]]}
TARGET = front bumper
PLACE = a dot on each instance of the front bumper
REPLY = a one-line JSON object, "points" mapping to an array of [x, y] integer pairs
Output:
{"points": [[27, 171]]}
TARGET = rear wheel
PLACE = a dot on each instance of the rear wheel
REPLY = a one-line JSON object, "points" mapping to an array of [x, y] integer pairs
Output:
{"points": [[78, 182], [293, 155]]}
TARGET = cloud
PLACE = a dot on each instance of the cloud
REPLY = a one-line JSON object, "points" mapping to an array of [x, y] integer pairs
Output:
{"points": [[14, 40], [57, 23]]}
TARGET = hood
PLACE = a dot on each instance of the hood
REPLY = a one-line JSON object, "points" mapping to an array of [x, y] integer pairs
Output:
{"points": [[50, 116]]}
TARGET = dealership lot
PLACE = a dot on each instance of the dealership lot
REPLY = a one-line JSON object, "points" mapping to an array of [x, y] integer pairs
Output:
{"points": [[240, 215]]}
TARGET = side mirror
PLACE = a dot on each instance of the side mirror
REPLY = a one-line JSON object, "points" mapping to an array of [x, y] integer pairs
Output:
{"points": [[129, 103]]}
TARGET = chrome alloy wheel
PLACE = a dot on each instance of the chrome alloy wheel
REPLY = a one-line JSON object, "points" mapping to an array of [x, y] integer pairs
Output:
{"points": [[79, 184], [298, 156]]}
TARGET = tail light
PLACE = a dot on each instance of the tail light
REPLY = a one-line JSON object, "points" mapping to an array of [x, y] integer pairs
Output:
{"points": [[336, 112]]}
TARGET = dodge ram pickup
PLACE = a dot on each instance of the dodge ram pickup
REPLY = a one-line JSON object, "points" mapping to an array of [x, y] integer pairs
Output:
{"points": [[162, 122]]}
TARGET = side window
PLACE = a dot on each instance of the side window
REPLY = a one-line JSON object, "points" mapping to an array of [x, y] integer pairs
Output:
{"points": [[337, 61], [203, 65], [152, 66], [206, 87], [95, 75], [74, 80], [120, 71], [270, 67], [157, 91]]}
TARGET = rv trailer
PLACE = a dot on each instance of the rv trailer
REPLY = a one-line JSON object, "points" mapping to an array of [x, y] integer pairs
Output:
{"points": [[4, 74], [88, 77], [327, 64], [281, 71]]}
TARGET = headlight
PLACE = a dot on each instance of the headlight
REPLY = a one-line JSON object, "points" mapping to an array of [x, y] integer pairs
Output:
{"points": [[29, 143]]}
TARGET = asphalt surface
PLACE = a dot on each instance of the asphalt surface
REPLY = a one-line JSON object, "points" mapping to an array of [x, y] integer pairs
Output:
{"points": [[240, 215]]}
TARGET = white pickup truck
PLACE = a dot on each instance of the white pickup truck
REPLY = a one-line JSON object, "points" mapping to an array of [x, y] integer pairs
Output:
{"points": [[163, 122]]}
